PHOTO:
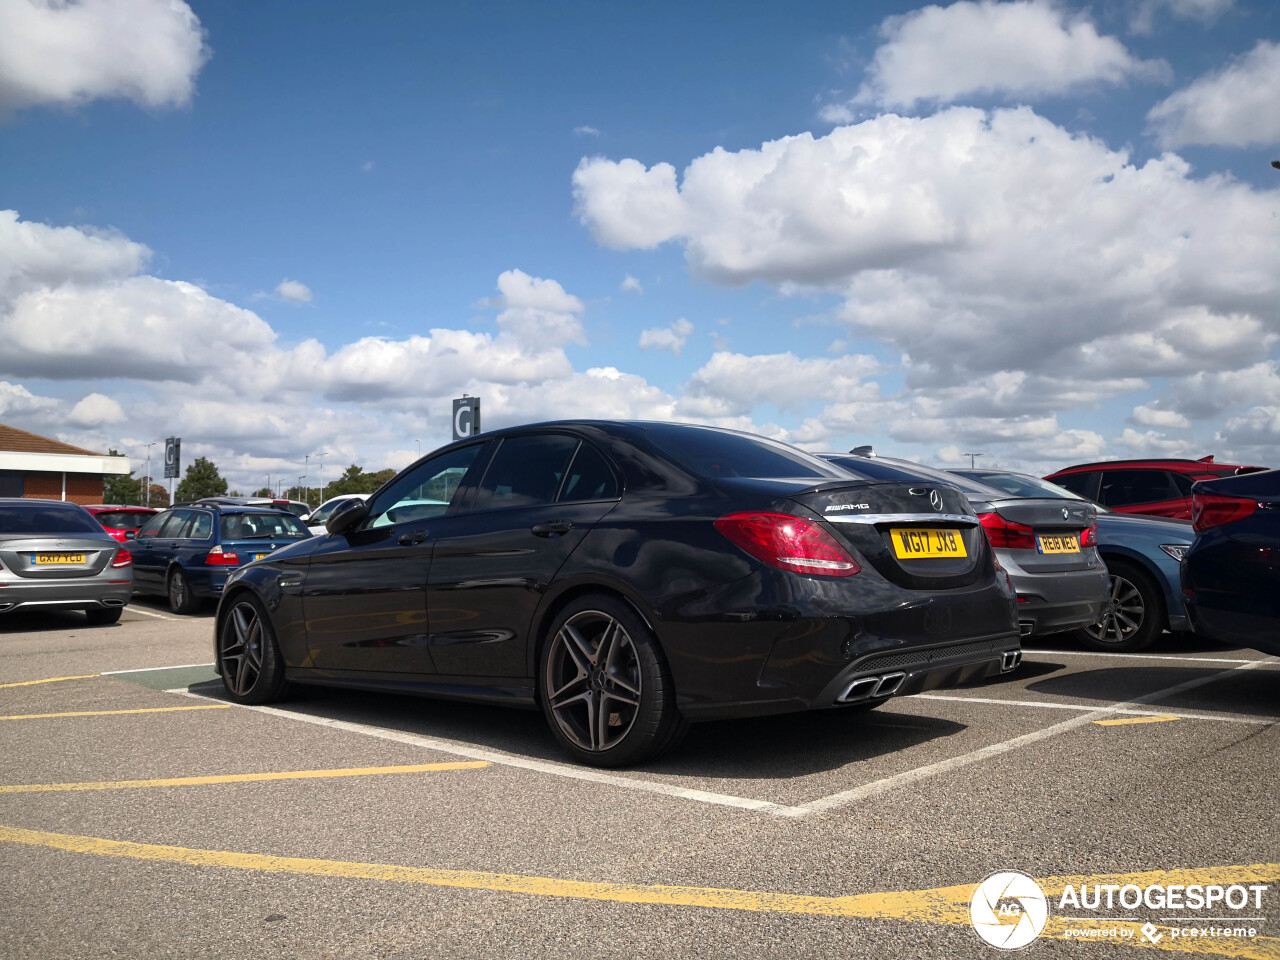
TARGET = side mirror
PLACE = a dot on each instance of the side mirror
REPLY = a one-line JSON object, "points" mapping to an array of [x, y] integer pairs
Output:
{"points": [[346, 515]]}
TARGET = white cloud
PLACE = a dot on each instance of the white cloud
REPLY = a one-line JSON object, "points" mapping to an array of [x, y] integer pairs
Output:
{"points": [[739, 382], [1234, 106], [671, 338], [96, 410], [57, 53], [367, 166], [1151, 415], [293, 291], [586, 131], [1025, 48], [17, 401], [626, 205], [1205, 11], [631, 284]]}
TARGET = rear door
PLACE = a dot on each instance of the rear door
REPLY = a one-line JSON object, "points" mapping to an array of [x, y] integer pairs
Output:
{"points": [[152, 549], [492, 564]]}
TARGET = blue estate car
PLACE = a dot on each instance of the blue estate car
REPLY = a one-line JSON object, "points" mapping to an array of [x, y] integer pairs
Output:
{"points": [[186, 553], [1142, 554]]}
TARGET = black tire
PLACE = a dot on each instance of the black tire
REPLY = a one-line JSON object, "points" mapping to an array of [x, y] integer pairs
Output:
{"points": [[249, 660], [178, 590], [104, 616], [604, 685], [1134, 616]]}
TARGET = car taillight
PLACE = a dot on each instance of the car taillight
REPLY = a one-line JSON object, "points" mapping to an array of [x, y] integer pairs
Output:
{"points": [[219, 559], [1089, 536], [1007, 534], [788, 543], [1213, 510], [123, 559]]}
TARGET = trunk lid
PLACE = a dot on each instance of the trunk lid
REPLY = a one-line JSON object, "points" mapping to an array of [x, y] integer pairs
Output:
{"points": [[56, 558], [1052, 524]]}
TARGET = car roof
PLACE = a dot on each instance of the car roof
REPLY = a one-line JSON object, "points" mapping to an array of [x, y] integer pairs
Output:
{"points": [[1157, 463]]}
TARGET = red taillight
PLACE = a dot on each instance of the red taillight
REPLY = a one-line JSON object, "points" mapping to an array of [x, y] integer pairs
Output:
{"points": [[1213, 510], [123, 559], [217, 558], [1005, 533], [1089, 537], [789, 543]]}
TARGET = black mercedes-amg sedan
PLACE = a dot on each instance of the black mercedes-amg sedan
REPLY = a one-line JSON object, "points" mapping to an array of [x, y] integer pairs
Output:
{"points": [[627, 578]]}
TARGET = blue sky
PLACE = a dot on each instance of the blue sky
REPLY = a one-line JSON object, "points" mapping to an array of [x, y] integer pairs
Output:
{"points": [[1043, 231]]}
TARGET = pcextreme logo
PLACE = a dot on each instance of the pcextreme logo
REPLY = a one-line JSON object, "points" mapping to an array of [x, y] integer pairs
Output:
{"points": [[1008, 910]]}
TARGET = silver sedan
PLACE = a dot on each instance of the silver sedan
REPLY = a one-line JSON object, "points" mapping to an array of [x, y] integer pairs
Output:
{"points": [[55, 555]]}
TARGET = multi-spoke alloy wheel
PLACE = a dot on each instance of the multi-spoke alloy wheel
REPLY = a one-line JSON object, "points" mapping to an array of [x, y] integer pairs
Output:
{"points": [[248, 657], [593, 680], [1133, 616], [604, 685]]}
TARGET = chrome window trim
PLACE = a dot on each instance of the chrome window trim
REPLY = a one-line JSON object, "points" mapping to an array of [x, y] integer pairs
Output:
{"points": [[964, 519]]}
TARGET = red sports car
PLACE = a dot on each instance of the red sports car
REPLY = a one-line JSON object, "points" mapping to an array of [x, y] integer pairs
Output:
{"points": [[1161, 488]]}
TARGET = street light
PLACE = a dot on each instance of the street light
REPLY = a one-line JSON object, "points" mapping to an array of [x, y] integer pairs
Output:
{"points": [[972, 457], [149, 446], [320, 456], [306, 473]]}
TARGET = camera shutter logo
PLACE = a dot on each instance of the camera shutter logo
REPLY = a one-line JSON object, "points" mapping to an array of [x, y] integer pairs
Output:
{"points": [[1008, 910]]}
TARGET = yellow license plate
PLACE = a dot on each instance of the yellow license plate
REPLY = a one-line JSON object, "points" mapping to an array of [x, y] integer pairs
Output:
{"points": [[912, 543], [258, 556], [1060, 543], [53, 559]]}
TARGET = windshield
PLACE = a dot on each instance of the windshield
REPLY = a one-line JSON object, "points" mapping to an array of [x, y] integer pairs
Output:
{"points": [[719, 453], [49, 519], [263, 526]]}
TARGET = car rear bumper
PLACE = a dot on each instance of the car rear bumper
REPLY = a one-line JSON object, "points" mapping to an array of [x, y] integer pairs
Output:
{"points": [[1052, 603], [78, 596]]}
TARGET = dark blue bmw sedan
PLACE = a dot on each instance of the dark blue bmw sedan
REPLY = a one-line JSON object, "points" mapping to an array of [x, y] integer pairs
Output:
{"points": [[1231, 574]]}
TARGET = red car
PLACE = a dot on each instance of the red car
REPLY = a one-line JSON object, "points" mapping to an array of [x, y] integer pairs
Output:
{"points": [[122, 522], [1161, 488]]}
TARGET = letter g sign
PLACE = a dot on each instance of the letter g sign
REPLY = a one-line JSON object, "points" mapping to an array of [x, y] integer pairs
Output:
{"points": [[466, 417]]}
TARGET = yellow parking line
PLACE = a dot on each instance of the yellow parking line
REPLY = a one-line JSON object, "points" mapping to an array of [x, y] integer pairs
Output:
{"points": [[238, 778], [1124, 721], [112, 713], [943, 905], [28, 683]]}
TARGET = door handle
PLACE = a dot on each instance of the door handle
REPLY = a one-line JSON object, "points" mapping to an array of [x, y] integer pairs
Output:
{"points": [[552, 528], [409, 539]]}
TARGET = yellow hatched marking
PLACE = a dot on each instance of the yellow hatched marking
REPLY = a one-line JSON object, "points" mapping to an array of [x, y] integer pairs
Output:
{"points": [[1125, 721], [239, 778], [113, 713], [943, 905], [29, 683]]}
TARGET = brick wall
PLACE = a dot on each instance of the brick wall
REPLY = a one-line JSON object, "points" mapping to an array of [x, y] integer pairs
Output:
{"points": [[81, 487]]}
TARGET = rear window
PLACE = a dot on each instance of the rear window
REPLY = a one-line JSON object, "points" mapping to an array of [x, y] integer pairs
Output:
{"points": [[718, 454], [1024, 486], [124, 519], [262, 526], [47, 519]]}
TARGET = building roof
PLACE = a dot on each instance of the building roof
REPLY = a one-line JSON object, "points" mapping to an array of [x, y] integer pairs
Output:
{"points": [[13, 440]]}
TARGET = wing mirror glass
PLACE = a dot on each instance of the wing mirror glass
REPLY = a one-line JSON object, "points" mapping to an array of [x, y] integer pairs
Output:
{"points": [[346, 515]]}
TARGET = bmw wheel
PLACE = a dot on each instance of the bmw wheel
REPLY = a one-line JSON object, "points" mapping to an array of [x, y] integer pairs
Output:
{"points": [[181, 599], [1134, 615], [604, 685], [248, 657]]}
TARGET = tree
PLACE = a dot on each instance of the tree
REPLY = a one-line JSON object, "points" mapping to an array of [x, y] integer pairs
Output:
{"points": [[262, 492], [159, 495], [119, 488], [202, 480]]}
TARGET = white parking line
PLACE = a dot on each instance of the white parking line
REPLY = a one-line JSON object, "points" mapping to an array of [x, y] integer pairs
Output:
{"points": [[877, 787], [1082, 708], [511, 760], [1136, 656], [150, 613], [176, 666], [818, 806]]}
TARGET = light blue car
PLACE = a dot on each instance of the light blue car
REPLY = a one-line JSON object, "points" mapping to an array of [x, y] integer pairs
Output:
{"points": [[1142, 554]]}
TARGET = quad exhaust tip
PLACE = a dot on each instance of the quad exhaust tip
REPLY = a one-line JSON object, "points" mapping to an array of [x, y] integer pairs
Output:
{"points": [[1009, 660], [1026, 627], [865, 688]]}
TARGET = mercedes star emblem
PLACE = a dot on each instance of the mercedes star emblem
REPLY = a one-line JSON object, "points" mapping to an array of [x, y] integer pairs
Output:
{"points": [[935, 498]]}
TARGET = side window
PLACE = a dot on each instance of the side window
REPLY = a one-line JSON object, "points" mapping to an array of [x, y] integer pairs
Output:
{"points": [[589, 477], [152, 527], [425, 492], [525, 471], [173, 526], [1123, 488], [201, 526], [1182, 482], [1077, 483]]}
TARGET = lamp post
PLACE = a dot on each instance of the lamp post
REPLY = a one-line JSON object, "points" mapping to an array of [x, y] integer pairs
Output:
{"points": [[972, 457], [320, 456], [306, 473], [148, 492]]}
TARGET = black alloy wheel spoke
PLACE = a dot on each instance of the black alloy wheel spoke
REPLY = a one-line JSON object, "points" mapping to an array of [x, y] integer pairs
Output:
{"points": [[593, 681]]}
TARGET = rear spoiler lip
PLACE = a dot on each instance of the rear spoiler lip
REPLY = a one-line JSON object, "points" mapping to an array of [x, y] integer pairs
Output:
{"points": [[965, 519]]}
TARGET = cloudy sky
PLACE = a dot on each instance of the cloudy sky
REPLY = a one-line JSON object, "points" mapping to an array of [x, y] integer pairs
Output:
{"points": [[1047, 232]]}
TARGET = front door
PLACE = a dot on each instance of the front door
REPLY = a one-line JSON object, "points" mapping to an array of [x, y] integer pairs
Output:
{"points": [[364, 599]]}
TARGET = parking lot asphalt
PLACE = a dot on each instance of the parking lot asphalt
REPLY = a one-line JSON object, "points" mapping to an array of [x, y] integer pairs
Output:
{"points": [[143, 816]]}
